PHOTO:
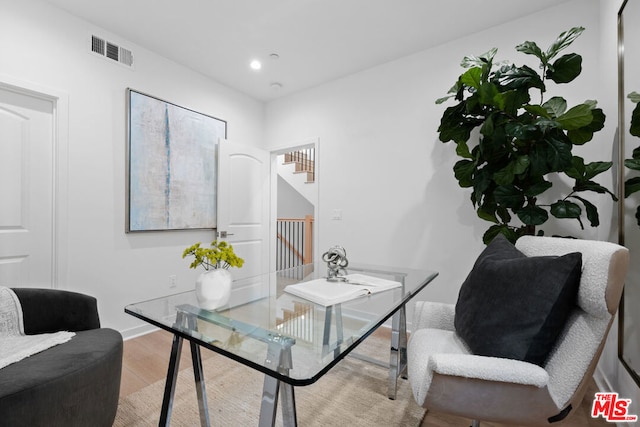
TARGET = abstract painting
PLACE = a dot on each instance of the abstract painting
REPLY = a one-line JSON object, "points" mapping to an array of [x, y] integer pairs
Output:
{"points": [[172, 165]]}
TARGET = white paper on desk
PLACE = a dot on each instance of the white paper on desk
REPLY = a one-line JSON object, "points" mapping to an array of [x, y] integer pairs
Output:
{"points": [[326, 293]]}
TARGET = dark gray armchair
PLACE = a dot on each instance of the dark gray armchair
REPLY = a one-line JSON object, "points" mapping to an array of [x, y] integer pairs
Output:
{"points": [[72, 384]]}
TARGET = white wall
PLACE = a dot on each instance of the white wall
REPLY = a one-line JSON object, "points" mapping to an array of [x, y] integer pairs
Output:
{"points": [[45, 46], [381, 161]]}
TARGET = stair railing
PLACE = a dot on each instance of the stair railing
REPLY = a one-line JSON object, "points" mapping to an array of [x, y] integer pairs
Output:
{"points": [[294, 246]]}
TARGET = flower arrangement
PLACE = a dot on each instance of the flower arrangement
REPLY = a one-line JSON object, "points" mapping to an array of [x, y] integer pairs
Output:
{"points": [[219, 255]]}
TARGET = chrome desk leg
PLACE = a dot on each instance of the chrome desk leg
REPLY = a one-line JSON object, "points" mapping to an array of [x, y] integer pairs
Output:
{"points": [[280, 359], [198, 375], [398, 353], [170, 385], [326, 338], [200, 388]]}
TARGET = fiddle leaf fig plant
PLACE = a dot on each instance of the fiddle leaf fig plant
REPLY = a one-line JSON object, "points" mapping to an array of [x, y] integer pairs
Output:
{"points": [[632, 185], [522, 141]]}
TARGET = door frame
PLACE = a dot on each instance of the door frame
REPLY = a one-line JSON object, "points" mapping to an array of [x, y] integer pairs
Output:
{"points": [[60, 168], [275, 152]]}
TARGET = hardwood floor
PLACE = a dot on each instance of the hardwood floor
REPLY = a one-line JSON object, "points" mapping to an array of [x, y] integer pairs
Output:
{"points": [[146, 359]]}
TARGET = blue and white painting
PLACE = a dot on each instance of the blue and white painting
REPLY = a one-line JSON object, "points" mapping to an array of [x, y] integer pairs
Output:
{"points": [[172, 165]]}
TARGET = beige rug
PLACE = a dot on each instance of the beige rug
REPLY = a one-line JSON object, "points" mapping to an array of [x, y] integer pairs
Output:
{"points": [[353, 393]]}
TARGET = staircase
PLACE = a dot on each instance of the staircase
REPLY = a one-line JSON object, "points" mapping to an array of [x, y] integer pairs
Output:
{"points": [[304, 162]]}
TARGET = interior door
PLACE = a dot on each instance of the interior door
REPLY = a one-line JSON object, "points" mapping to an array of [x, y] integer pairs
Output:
{"points": [[244, 212], [26, 190]]}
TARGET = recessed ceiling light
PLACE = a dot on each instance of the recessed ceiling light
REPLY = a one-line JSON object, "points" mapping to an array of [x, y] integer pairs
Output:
{"points": [[255, 65], [274, 56], [276, 86]]}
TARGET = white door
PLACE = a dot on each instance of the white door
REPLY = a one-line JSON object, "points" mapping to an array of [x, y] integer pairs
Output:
{"points": [[243, 211], [26, 190]]}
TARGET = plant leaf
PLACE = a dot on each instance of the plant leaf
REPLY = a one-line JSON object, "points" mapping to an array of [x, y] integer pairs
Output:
{"points": [[593, 186], [592, 211], [472, 77], [634, 97], [463, 171], [538, 188], [479, 61], [531, 48], [509, 197], [556, 106], [632, 164], [596, 168], [631, 186], [532, 215], [585, 134], [521, 77], [565, 209], [634, 129], [563, 40], [576, 117], [538, 110], [566, 68]]}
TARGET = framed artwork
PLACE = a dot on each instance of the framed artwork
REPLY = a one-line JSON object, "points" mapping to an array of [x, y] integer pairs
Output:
{"points": [[171, 165]]}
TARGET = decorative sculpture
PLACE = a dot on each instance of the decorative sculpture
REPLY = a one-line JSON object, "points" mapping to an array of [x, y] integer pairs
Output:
{"points": [[336, 259]]}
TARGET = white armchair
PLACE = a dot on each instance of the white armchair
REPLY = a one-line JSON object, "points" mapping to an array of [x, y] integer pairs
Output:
{"points": [[446, 377]]}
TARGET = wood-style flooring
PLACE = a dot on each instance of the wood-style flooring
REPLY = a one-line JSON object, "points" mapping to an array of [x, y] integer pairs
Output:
{"points": [[146, 359]]}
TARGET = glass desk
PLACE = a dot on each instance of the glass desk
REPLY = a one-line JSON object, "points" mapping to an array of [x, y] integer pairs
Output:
{"points": [[291, 340]]}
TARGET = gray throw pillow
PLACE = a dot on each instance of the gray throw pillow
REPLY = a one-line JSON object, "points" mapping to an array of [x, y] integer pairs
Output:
{"points": [[514, 306]]}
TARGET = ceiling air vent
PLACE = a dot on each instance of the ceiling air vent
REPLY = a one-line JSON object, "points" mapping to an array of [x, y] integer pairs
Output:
{"points": [[112, 51]]}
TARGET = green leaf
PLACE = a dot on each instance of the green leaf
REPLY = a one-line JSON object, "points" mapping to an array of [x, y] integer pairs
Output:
{"points": [[509, 197], [503, 229], [538, 110], [462, 150], [556, 106], [487, 214], [464, 170], [566, 68], [504, 176], [634, 129], [596, 168], [593, 186], [563, 40], [490, 95], [592, 211], [455, 125], [634, 97], [632, 164], [577, 117], [531, 48], [479, 61], [521, 78], [532, 215], [577, 169], [444, 99], [631, 186], [565, 209], [472, 77], [538, 188], [585, 134]]}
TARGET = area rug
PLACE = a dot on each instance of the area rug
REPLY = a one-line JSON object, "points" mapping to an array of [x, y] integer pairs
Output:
{"points": [[353, 393]]}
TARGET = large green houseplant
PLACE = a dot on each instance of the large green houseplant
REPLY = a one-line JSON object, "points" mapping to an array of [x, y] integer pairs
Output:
{"points": [[522, 142], [632, 185]]}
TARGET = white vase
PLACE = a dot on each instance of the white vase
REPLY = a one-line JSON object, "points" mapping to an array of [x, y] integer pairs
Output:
{"points": [[213, 288]]}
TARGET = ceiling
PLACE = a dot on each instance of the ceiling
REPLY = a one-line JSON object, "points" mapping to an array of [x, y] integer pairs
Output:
{"points": [[316, 40]]}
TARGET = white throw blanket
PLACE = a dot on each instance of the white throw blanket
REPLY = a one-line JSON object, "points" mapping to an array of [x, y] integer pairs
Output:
{"points": [[14, 344]]}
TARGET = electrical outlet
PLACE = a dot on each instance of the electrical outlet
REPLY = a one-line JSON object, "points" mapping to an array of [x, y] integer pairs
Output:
{"points": [[172, 281]]}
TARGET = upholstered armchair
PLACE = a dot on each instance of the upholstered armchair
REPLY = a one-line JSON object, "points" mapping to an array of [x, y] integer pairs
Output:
{"points": [[455, 368], [74, 384]]}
